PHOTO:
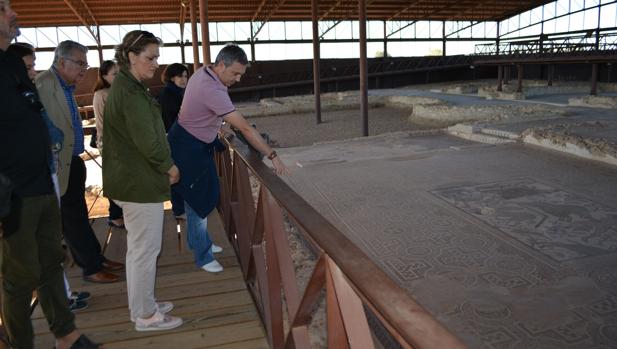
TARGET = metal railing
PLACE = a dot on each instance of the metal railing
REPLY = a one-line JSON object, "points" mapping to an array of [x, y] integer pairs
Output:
{"points": [[585, 43], [351, 280]]}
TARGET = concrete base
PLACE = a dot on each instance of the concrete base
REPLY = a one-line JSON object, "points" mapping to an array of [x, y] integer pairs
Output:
{"points": [[452, 114], [330, 102], [606, 102], [564, 141]]}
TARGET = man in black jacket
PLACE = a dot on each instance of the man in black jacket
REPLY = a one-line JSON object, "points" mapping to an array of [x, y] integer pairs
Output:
{"points": [[31, 252]]}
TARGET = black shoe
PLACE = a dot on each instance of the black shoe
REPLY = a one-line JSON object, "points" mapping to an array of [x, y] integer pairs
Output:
{"points": [[80, 296], [112, 224], [77, 306]]}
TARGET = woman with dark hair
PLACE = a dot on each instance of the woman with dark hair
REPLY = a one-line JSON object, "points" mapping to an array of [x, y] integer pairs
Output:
{"points": [[107, 73], [175, 77], [26, 52], [137, 174]]}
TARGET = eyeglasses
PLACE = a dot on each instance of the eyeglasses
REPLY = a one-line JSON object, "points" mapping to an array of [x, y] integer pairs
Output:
{"points": [[81, 64]]}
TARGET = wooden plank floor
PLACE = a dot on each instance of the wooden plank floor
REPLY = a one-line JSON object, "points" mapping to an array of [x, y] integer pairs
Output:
{"points": [[217, 310]]}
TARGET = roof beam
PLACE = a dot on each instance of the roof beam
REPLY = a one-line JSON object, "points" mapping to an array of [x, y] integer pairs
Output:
{"points": [[406, 8], [85, 16], [328, 28], [401, 28], [263, 2], [330, 10], [182, 19], [267, 17]]}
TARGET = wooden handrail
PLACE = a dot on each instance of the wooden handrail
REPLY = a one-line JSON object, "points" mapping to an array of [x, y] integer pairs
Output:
{"points": [[407, 321]]}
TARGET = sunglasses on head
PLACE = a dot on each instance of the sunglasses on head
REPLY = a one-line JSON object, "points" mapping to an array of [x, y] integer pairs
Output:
{"points": [[144, 34]]}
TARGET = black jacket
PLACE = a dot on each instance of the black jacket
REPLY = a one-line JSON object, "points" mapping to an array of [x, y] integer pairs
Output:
{"points": [[170, 99], [24, 140]]}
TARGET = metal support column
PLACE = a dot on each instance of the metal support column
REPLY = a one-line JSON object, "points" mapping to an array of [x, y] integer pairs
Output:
{"points": [[385, 40], [194, 36], [182, 54], [598, 28], [594, 79], [99, 47], [443, 38], [500, 78], [181, 23], [497, 38], [551, 72], [519, 87], [252, 42], [316, 58], [363, 67], [205, 35]]}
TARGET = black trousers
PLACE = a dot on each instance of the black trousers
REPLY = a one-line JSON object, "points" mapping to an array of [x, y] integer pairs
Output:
{"points": [[115, 211], [78, 234]]}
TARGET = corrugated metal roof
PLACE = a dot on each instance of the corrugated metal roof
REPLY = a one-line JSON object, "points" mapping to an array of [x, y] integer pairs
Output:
{"points": [[38, 13]]}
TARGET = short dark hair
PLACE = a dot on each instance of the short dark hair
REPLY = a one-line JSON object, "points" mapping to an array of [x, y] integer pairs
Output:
{"points": [[104, 69], [231, 53], [20, 49], [173, 70]]}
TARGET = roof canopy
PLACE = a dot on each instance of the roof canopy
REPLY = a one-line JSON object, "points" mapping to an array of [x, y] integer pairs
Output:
{"points": [[39, 13]]}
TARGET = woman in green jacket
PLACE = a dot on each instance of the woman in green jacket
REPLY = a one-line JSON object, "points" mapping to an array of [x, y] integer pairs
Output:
{"points": [[137, 173]]}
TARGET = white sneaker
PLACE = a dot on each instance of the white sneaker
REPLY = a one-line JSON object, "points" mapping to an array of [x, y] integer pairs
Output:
{"points": [[158, 322], [213, 267], [216, 248], [161, 307]]}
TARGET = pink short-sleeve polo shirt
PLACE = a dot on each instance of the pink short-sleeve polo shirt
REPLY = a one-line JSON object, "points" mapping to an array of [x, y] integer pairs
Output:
{"points": [[205, 102]]}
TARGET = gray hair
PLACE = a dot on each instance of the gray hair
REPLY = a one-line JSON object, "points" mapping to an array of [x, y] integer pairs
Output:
{"points": [[231, 53], [65, 49]]}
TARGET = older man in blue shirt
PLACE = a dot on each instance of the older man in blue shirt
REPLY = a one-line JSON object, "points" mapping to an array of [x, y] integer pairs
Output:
{"points": [[56, 87]]}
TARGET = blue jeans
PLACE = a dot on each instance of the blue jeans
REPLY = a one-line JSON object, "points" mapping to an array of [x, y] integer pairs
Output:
{"points": [[197, 237]]}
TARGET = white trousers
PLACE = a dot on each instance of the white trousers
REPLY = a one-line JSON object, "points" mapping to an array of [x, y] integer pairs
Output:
{"points": [[144, 226]]}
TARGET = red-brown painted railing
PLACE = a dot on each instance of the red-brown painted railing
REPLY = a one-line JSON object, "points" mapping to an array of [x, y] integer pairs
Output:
{"points": [[351, 279]]}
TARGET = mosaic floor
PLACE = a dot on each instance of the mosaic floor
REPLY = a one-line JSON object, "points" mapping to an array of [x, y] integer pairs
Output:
{"points": [[508, 246]]}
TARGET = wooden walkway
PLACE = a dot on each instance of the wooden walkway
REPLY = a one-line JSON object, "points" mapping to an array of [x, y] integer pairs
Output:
{"points": [[217, 309]]}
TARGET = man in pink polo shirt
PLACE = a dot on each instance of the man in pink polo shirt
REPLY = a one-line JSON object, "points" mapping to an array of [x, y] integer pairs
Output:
{"points": [[205, 106]]}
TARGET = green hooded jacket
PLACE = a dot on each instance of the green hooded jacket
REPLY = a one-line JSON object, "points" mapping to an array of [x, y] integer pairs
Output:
{"points": [[137, 156]]}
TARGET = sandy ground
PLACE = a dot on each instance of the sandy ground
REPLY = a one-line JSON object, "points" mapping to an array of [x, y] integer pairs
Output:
{"points": [[301, 129]]}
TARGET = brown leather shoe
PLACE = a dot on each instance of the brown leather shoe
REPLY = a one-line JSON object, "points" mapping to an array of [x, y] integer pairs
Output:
{"points": [[102, 277], [109, 265]]}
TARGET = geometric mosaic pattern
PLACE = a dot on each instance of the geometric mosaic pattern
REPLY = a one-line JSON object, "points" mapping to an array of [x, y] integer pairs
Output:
{"points": [[558, 224], [506, 263]]}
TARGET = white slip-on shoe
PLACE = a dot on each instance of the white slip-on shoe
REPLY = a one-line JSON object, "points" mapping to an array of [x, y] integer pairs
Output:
{"points": [[157, 322], [216, 248], [213, 267], [161, 307], [164, 307]]}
